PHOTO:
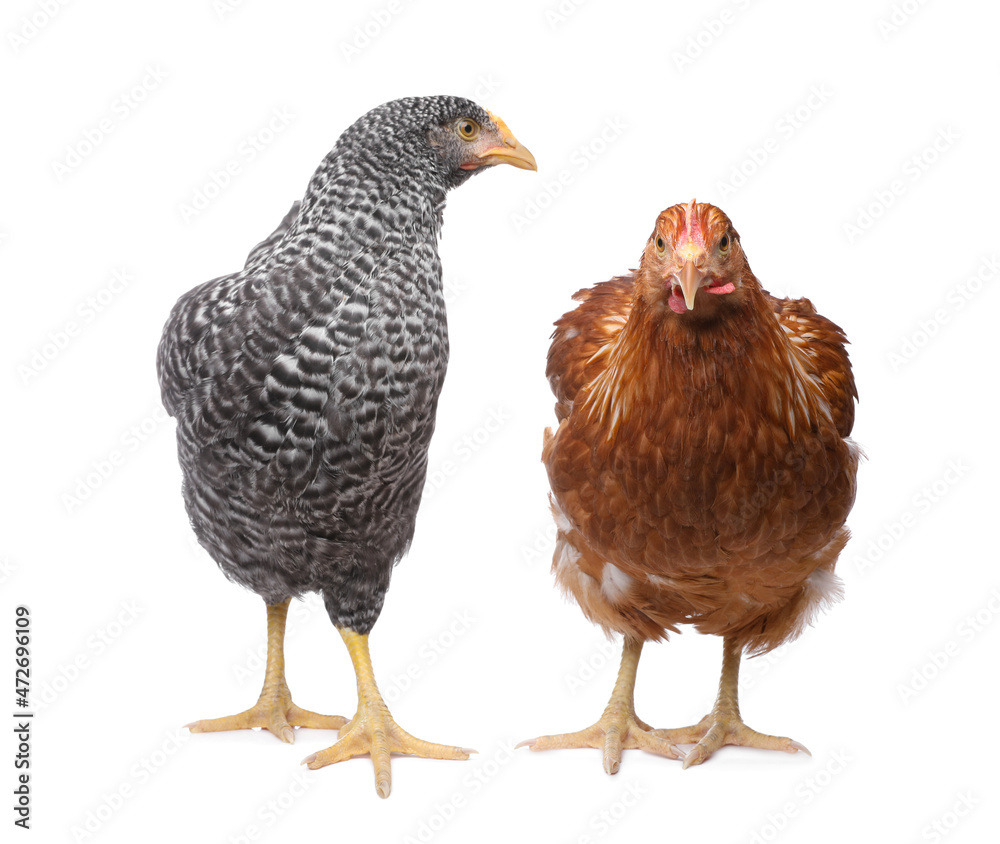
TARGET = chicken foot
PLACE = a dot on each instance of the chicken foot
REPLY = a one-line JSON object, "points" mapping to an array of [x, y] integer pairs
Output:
{"points": [[724, 725], [274, 710], [619, 727], [372, 730]]}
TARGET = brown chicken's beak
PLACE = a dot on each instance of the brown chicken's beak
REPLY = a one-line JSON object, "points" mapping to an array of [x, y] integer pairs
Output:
{"points": [[509, 152], [691, 279]]}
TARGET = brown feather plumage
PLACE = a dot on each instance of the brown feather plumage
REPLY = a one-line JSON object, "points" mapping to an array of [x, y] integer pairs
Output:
{"points": [[701, 472]]}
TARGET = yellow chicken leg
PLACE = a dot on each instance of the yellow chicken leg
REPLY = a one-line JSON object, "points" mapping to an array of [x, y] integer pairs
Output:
{"points": [[723, 725], [274, 710], [619, 727], [372, 730]]}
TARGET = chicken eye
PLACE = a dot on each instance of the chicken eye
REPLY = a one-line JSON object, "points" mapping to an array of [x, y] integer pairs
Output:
{"points": [[661, 245], [724, 243], [468, 129]]}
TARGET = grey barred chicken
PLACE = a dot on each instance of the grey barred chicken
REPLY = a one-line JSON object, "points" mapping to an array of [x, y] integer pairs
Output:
{"points": [[305, 389]]}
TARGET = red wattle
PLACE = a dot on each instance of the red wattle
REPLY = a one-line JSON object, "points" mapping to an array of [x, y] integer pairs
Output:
{"points": [[725, 288], [677, 304]]}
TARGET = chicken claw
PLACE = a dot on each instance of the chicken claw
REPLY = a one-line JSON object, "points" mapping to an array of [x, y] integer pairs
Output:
{"points": [[724, 725], [618, 728], [372, 731], [274, 710], [719, 729]]}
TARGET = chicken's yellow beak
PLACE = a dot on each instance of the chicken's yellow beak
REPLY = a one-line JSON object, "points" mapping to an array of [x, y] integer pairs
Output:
{"points": [[511, 151], [691, 278]]}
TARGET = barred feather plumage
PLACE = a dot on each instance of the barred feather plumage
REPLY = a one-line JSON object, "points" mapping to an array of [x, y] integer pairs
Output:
{"points": [[305, 386]]}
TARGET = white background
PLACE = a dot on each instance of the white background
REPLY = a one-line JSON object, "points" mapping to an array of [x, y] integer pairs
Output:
{"points": [[817, 112]]}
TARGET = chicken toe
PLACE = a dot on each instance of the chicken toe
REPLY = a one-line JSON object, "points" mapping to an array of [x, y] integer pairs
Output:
{"points": [[719, 729], [724, 725], [274, 710], [619, 727], [372, 731]]}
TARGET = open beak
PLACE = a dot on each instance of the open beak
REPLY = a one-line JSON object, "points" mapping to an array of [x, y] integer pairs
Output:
{"points": [[691, 279], [509, 152]]}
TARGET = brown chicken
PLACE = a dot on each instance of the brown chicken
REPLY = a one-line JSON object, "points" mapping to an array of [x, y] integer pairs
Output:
{"points": [[701, 472]]}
